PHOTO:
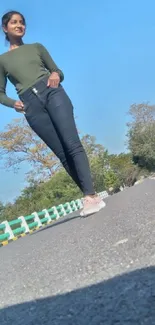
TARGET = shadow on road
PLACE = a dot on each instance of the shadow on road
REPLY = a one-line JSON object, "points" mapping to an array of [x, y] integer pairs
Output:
{"points": [[128, 299], [57, 223]]}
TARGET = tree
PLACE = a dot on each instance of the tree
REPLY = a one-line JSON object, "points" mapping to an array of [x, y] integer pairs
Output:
{"points": [[59, 189], [98, 159], [124, 168], [91, 147], [18, 144], [2, 207], [98, 165], [111, 180], [141, 135]]}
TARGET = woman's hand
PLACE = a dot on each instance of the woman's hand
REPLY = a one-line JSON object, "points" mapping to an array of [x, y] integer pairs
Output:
{"points": [[53, 80], [19, 106]]}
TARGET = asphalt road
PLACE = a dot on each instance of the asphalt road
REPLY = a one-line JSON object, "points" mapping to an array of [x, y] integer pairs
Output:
{"points": [[93, 271]]}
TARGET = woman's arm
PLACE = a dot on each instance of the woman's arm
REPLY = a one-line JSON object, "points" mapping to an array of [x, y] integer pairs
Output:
{"points": [[48, 61], [4, 99]]}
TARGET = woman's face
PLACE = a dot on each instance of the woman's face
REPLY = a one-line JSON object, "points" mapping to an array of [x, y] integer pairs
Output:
{"points": [[15, 27]]}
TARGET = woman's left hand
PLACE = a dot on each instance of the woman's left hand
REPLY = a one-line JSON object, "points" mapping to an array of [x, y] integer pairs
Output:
{"points": [[53, 80]]}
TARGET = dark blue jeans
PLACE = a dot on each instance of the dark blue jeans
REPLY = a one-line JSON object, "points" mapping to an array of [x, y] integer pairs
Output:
{"points": [[49, 112]]}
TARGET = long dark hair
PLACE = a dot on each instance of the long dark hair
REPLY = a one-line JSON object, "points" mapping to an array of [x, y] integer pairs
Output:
{"points": [[6, 18]]}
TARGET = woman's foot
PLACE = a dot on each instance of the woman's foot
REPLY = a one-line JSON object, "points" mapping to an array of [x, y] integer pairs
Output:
{"points": [[91, 205]]}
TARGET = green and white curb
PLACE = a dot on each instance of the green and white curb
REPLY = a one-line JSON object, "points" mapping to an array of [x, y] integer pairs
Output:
{"points": [[23, 225]]}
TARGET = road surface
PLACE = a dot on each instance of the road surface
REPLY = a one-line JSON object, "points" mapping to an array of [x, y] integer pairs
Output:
{"points": [[93, 271]]}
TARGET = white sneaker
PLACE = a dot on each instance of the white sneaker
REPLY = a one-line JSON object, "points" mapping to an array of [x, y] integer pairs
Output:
{"points": [[92, 205]]}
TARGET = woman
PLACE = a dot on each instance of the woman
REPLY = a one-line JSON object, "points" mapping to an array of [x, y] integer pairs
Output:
{"points": [[46, 106]]}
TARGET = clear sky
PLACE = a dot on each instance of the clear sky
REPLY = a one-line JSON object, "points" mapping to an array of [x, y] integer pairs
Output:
{"points": [[106, 50]]}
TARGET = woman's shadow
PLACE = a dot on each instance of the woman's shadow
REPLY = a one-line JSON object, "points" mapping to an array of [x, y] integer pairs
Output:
{"points": [[128, 299]]}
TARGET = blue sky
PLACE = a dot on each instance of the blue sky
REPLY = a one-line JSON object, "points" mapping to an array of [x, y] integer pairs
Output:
{"points": [[106, 50]]}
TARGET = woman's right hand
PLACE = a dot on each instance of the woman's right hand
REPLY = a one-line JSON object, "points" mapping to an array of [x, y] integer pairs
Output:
{"points": [[19, 106]]}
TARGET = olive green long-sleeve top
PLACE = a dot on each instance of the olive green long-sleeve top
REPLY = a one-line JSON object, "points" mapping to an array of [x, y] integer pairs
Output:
{"points": [[24, 66]]}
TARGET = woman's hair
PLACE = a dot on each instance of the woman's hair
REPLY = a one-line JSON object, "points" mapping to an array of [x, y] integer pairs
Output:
{"points": [[6, 18]]}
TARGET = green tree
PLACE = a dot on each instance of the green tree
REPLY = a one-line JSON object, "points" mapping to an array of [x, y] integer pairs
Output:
{"points": [[141, 135], [37, 196], [98, 165], [124, 168], [111, 180], [2, 208]]}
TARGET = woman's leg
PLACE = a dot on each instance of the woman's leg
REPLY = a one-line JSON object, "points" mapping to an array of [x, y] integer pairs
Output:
{"points": [[55, 125], [40, 121], [60, 109]]}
